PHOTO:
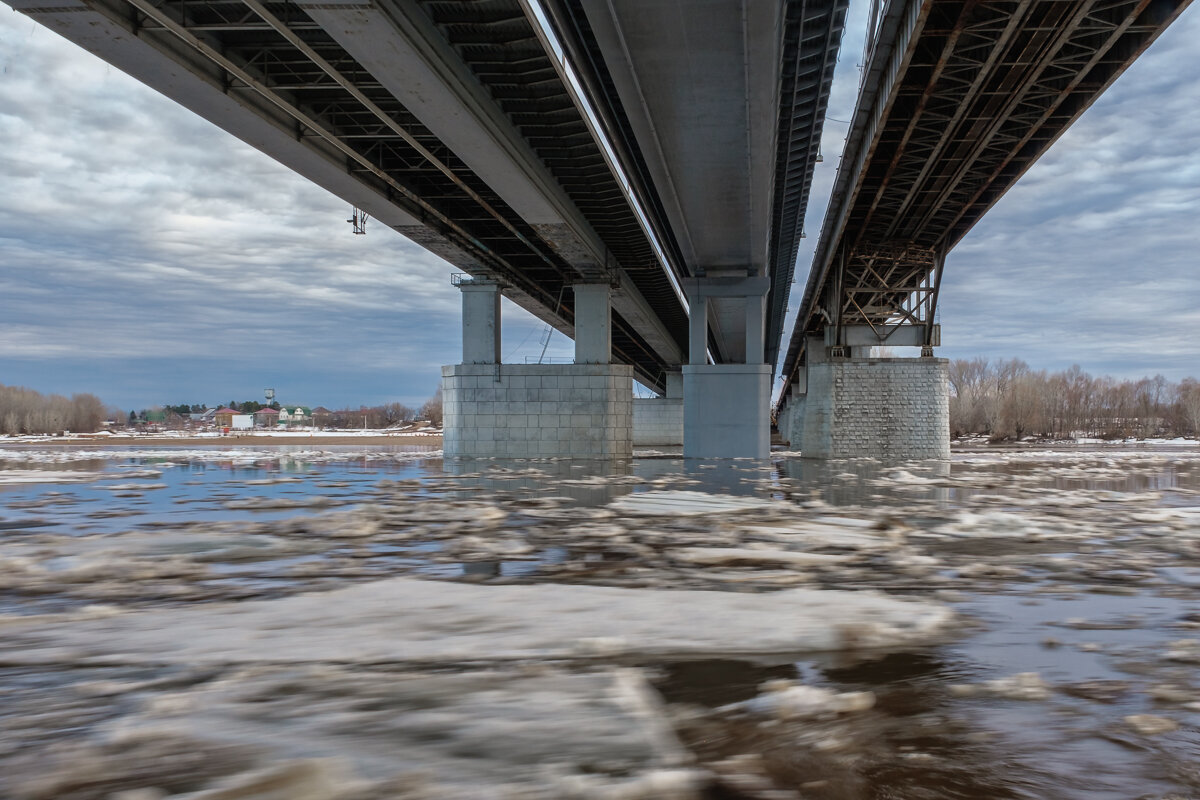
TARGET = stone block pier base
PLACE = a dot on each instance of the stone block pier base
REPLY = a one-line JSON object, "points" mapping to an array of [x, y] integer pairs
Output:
{"points": [[537, 410], [887, 408]]}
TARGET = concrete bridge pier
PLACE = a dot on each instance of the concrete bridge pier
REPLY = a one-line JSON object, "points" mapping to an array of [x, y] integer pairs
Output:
{"points": [[658, 421], [494, 410], [861, 407], [726, 407], [791, 417]]}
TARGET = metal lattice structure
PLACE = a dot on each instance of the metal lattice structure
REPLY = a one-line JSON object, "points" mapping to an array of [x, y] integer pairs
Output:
{"points": [[812, 33], [959, 99]]}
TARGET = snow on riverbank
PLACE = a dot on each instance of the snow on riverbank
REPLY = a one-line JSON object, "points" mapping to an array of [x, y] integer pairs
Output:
{"points": [[256, 434], [237, 454]]}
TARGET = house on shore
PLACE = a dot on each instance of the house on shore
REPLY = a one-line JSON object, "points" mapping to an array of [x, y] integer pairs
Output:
{"points": [[266, 418], [295, 415], [223, 418], [321, 416]]}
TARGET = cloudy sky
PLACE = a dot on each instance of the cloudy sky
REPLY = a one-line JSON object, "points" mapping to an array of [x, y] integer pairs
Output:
{"points": [[148, 257]]}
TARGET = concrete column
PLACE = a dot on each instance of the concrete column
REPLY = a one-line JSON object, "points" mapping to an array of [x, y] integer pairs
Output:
{"points": [[800, 383], [755, 329], [480, 322], [795, 434], [593, 323], [726, 407], [674, 385], [815, 351], [698, 331], [796, 394]]}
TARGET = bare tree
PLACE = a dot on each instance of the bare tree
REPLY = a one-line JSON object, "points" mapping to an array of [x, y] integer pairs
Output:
{"points": [[432, 409], [1189, 405], [1005, 399], [395, 413], [26, 411]]}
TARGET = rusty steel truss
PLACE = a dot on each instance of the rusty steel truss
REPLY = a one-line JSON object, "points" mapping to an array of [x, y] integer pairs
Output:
{"points": [[959, 99]]}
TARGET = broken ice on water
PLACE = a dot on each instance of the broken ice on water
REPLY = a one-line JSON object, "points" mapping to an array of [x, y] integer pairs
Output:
{"points": [[374, 623]]}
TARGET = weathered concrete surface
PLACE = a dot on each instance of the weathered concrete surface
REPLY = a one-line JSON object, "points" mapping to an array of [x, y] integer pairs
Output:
{"points": [[726, 411], [889, 408], [537, 410], [658, 421], [416, 621], [480, 322]]}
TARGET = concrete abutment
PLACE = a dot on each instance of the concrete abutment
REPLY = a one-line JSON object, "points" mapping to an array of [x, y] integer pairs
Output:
{"points": [[726, 407], [886, 408], [658, 421]]}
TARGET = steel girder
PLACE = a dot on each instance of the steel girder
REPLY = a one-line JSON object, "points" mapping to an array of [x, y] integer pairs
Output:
{"points": [[274, 57], [497, 42], [811, 37], [961, 98]]}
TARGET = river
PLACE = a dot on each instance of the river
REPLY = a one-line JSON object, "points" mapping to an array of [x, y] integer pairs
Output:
{"points": [[370, 622]]}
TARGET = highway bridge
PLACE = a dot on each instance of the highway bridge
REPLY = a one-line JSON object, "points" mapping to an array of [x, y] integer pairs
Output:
{"points": [[635, 173]]}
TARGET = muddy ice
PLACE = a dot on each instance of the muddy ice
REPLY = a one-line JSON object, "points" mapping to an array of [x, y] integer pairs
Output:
{"points": [[355, 623]]}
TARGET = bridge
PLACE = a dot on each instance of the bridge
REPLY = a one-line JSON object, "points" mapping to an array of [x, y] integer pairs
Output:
{"points": [[958, 100], [637, 178]]}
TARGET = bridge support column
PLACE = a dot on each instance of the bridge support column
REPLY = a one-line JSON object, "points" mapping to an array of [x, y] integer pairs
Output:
{"points": [[791, 424], [494, 410], [886, 408], [593, 323], [480, 321], [726, 407], [658, 421]]}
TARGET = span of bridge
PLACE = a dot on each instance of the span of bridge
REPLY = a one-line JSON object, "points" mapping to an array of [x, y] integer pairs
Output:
{"points": [[958, 99], [637, 177]]}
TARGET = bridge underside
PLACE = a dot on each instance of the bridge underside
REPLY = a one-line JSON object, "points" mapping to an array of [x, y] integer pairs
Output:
{"points": [[959, 99], [445, 121], [561, 150], [536, 145]]}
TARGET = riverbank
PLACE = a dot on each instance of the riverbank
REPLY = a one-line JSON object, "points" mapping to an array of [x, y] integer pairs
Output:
{"points": [[321, 438]]}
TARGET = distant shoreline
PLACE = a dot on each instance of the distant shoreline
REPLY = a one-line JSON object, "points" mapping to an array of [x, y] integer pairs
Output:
{"points": [[429, 440]]}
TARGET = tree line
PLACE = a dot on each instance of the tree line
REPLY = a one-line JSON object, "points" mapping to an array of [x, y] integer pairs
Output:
{"points": [[381, 416], [25, 411], [1008, 400], [386, 415]]}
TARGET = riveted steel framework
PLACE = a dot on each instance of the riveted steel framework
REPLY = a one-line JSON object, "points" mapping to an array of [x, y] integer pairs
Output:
{"points": [[811, 36], [960, 98]]}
